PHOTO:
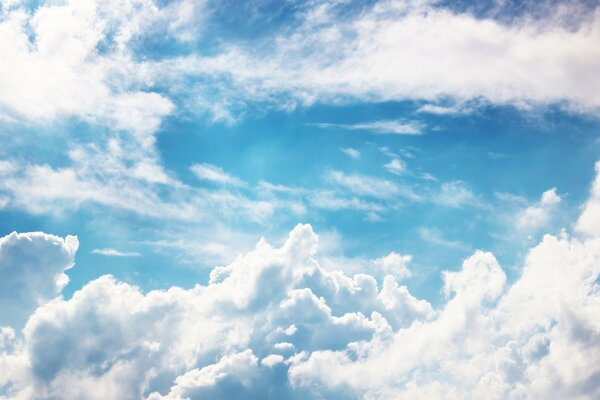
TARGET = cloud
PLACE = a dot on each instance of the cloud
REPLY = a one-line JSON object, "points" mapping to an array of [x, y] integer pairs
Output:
{"points": [[200, 341], [54, 67], [395, 166], [115, 253], [456, 194], [538, 215], [371, 187], [32, 271], [394, 264], [275, 323], [380, 127], [215, 174], [388, 51], [350, 152], [588, 221], [444, 110], [435, 236], [394, 51]]}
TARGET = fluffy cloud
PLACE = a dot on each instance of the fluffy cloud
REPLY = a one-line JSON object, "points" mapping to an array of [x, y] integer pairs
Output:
{"points": [[538, 215], [588, 221], [32, 267], [63, 60], [253, 315], [274, 324]]}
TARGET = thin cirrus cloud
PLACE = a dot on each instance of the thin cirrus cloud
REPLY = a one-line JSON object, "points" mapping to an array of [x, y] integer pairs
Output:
{"points": [[382, 127], [115, 253], [212, 173], [350, 152]]}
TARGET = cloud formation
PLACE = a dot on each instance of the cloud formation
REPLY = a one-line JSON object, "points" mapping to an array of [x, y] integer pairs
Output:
{"points": [[32, 272], [275, 324]]}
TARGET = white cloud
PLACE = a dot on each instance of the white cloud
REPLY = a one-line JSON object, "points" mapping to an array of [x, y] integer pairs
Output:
{"points": [[380, 127], [274, 322], [394, 264], [350, 152], [52, 67], [115, 253], [215, 174], [364, 185], [435, 236], [444, 110], [538, 215], [32, 267], [456, 194], [406, 50], [588, 221], [395, 166]]}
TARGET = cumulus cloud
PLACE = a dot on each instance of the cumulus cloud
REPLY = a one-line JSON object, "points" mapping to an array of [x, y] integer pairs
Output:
{"points": [[538, 215], [32, 271], [274, 324], [588, 221]]}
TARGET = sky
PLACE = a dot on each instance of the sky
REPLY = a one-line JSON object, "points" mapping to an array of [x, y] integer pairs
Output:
{"points": [[289, 199]]}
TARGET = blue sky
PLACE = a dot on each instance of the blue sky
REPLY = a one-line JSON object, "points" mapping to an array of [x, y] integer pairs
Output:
{"points": [[436, 151]]}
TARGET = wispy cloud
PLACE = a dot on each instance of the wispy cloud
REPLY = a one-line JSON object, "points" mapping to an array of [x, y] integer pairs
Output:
{"points": [[444, 110], [382, 127], [115, 253], [350, 152], [395, 166], [435, 236], [212, 173], [369, 186]]}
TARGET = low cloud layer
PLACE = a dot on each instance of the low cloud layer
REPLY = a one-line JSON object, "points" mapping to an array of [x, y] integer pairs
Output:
{"points": [[274, 324]]}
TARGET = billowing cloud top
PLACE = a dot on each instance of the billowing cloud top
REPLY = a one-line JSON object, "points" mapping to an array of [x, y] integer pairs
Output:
{"points": [[274, 324]]}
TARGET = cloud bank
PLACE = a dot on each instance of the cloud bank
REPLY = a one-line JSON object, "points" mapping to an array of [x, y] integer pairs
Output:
{"points": [[274, 324]]}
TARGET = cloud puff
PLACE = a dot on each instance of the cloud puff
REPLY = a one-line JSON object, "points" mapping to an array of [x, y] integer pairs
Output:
{"points": [[268, 305], [32, 267], [275, 324], [588, 221], [538, 215]]}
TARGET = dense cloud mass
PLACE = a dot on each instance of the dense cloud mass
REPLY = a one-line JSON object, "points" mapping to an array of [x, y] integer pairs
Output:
{"points": [[274, 324], [32, 267]]}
